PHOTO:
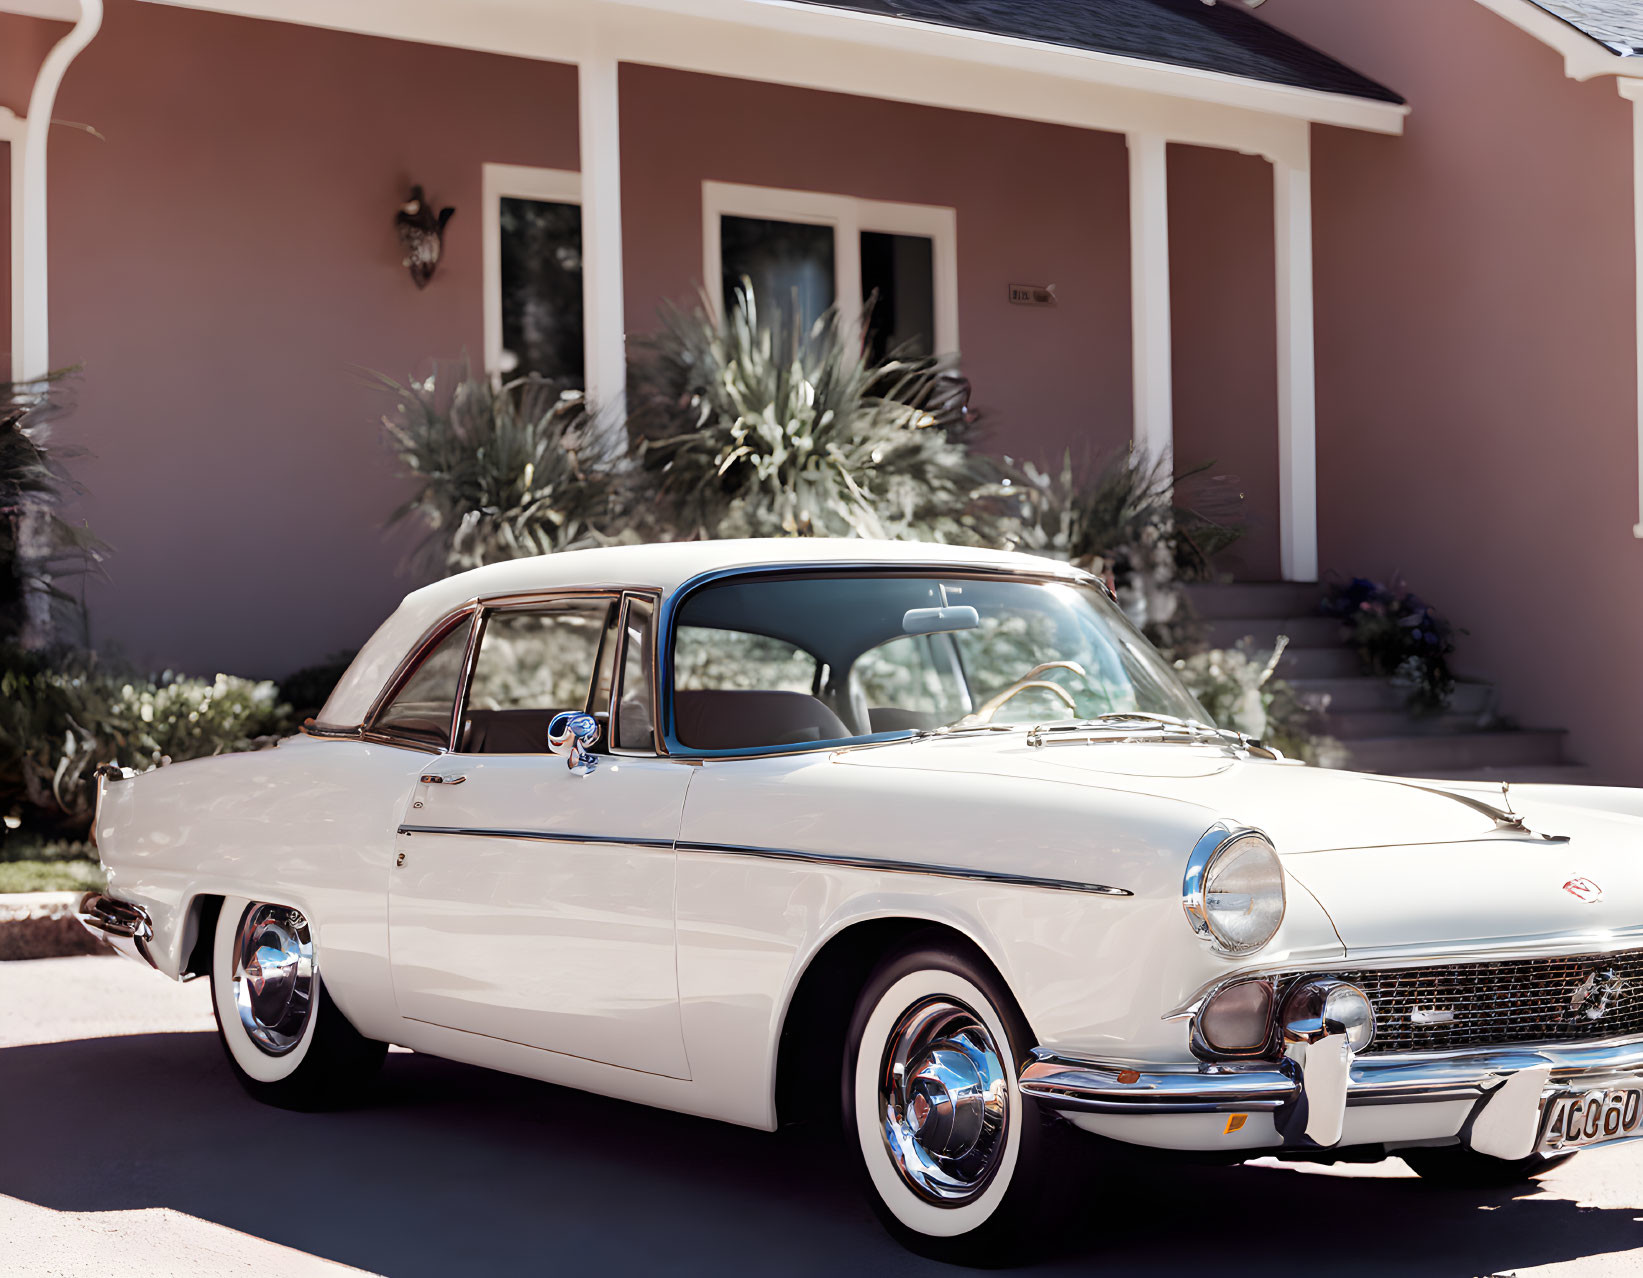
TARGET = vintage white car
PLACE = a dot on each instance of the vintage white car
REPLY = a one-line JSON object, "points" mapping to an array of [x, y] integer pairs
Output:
{"points": [[930, 837]]}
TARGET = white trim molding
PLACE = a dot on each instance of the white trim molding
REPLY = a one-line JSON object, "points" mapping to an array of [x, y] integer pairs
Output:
{"points": [[13, 134], [31, 337], [515, 181], [1583, 57], [1297, 376], [848, 51], [1151, 340], [849, 217], [1633, 89]]}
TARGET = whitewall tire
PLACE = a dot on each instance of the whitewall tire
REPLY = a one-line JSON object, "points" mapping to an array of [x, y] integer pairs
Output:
{"points": [[287, 1043], [951, 1152]]}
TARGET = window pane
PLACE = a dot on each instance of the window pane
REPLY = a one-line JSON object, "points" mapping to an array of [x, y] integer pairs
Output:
{"points": [[542, 290], [790, 264], [709, 658], [427, 701], [531, 666], [900, 269], [633, 713]]}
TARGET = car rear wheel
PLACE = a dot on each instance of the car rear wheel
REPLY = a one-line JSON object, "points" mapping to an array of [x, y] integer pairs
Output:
{"points": [[1462, 1168], [286, 1042], [951, 1153]]}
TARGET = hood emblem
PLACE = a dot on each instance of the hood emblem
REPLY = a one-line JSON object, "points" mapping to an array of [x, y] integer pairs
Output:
{"points": [[1585, 889], [1594, 996]]}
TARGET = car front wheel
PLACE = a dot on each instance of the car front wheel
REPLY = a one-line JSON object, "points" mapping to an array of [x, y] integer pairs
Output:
{"points": [[286, 1042], [951, 1152]]}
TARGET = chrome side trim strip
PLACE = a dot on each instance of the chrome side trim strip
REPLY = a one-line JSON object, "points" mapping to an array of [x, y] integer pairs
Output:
{"points": [[776, 854], [903, 867], [540, 836]]}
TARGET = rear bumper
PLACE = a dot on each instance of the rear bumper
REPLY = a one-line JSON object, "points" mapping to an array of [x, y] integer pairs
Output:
{"points": [[1500, 1094], [127, 927]]}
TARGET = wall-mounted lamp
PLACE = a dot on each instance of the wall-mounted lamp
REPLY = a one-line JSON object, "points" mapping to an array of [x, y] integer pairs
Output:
{"points": [[422, 235]]}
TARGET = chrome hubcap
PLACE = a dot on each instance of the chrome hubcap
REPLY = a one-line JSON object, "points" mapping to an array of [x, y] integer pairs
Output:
{"points": [[273, 976], [945, 1098]]}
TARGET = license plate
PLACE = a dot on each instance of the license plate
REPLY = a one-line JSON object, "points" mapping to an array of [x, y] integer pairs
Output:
{"points": [[1591, 1118]]}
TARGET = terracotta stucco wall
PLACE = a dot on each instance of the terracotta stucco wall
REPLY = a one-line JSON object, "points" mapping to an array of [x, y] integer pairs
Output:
{"points": [[1476, 358], [222, 265], [1224, 317]]}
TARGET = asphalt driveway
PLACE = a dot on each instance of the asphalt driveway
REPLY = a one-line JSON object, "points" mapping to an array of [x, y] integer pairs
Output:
{"points": [[126, 1147]]}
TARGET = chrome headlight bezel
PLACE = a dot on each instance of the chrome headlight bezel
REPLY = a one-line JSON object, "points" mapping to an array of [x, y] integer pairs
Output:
{"points": [[1211, 851]]}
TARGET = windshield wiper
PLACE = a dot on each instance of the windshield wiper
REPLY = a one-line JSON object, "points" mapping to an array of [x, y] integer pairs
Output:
{"points": [[1158, 727]]}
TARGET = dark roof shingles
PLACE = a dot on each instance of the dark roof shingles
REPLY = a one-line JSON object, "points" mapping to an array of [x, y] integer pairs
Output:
{"points": [[1224, 37], [1618, 24]]}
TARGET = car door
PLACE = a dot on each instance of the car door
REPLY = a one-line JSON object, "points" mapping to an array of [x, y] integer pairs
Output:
{"points": [[531, 901]]}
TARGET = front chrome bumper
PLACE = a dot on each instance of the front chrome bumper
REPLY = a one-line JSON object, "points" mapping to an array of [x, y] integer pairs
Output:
{"points": [[127, 927], [1309, 1092]]}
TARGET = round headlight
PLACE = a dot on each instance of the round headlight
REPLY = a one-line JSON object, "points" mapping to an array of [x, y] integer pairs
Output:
{"points": [[1338, 1001], [1234, 890]]}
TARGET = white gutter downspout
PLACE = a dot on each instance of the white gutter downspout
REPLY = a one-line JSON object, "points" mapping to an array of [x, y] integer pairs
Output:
{"points": [[31, 320], [31, 337], [1633, 89]]}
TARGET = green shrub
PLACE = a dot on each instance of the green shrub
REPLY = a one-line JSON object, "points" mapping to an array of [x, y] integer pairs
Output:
{"points": [[64, 713], [501, 471], [1236, 686]]}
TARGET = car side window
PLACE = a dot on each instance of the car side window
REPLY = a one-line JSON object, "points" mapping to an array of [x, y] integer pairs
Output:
{"points": [[533, 663], [425, 704], [635, 719]]}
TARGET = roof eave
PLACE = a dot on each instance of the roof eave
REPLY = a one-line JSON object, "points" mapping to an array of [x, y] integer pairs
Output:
{"points": [[1585, 57], [567, 31]]}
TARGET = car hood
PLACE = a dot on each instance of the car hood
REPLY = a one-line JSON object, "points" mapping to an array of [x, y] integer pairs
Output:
{"points": [[1395, 863]]}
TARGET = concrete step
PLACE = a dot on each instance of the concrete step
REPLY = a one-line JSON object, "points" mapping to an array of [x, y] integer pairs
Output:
{"points": [[1364, 692], [1318, 663], [1310, 632], [1415, 755], [1214, 600], [1356, 725], [1557, 774]]}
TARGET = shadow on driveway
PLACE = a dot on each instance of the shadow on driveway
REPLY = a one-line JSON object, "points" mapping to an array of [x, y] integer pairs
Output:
{"points": [[454, 1169]]}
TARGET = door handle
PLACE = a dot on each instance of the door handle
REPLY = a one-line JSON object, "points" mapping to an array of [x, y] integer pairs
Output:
{"points": [[434, 778]]}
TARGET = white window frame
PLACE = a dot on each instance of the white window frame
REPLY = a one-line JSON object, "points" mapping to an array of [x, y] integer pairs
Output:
{"points": [[519, 182], [849, 217]]}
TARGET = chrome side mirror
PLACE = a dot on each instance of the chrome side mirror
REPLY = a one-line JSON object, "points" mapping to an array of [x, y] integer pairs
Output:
{"points": [[572, 733]]}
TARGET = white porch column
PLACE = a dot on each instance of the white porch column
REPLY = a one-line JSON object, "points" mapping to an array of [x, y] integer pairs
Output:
{"points": [[1149, 296], [602, 306], [1633, 89], [1297, 395]]}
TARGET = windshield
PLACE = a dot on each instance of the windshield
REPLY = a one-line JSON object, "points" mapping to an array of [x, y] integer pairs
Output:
{"points": [[784, 661]]}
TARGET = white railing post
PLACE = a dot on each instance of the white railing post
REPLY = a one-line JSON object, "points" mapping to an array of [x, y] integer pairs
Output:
{"points": [[1297, 385], [602, 304], [1149, 297]]}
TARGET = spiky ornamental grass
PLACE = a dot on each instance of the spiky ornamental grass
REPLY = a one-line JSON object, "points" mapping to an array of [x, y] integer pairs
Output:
{"points": [[40, 551], [752, 427], [502, 471]]}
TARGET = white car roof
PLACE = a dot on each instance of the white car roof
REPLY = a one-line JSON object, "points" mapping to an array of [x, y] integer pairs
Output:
{"points": [[664, 567]]}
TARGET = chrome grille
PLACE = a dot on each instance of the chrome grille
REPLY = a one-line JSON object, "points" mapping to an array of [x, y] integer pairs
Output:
{"points": [[1540, 1000]]}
